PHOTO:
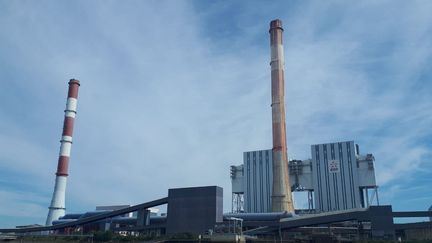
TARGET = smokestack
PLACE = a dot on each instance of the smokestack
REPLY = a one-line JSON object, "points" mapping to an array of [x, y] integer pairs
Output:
{"points": [[281, 194], [57, 207]]}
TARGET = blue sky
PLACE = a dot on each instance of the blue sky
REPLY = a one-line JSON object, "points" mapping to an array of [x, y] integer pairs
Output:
{"points": [[174, 91]]}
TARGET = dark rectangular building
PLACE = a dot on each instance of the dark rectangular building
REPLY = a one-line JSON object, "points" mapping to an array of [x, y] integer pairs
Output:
{"points": [[194, 209]]}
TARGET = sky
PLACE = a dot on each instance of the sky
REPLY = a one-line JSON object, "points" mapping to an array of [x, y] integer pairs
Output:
{"points": [[172, 93]]}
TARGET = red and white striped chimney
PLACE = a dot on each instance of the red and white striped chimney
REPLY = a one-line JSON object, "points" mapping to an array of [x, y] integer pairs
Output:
{"points": [[57, 207]]}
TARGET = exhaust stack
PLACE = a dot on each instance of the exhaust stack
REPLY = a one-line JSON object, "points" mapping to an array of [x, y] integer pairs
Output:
{"points": [[57, 207], [281, 194]]}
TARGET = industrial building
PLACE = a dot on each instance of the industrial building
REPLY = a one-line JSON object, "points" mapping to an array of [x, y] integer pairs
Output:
{"points": [[341, 176], [199, 210], [337, 177], [257, 181]]}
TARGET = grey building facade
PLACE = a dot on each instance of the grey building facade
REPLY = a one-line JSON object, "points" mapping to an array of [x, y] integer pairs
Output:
{"points": [[257, 180], [335, 176], [194, 209]]}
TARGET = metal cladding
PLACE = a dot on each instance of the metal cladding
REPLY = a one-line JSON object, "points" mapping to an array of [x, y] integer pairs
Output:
{"points": [[57, 207], [281, 193]]}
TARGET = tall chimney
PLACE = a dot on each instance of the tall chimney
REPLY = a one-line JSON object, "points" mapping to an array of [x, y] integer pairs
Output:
{"points": [[57, 207], [281, 194]]}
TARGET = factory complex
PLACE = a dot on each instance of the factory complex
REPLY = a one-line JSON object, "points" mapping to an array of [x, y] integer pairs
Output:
{"points": [[337, 180]]}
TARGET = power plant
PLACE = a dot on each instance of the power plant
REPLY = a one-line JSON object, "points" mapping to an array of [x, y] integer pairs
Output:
{"points": [[342, 192], [337, 177]]}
